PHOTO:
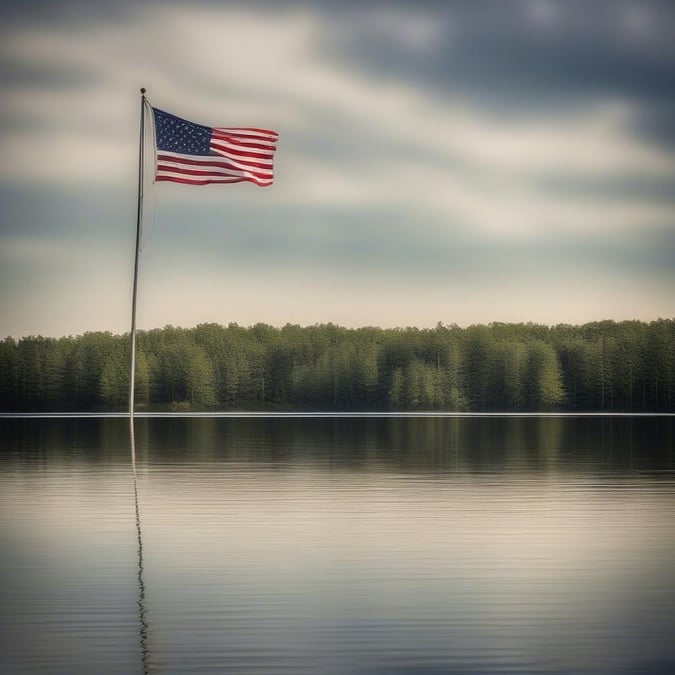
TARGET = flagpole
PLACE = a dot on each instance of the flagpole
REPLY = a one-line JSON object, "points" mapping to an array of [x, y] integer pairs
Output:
{"points": [[139, 217]]}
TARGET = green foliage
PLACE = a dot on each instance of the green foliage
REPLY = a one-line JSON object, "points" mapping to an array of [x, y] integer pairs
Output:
{"points": [[603, 366], [543, 382]]}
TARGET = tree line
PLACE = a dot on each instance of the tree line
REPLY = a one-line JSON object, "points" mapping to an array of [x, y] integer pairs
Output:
{"points": [[599, 366]]}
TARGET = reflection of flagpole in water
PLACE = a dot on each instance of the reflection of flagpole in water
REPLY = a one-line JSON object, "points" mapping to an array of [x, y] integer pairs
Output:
{"points": [[142, 620]]}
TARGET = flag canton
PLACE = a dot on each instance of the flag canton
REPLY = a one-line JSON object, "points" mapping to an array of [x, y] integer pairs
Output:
{"points": [[174, 134]]}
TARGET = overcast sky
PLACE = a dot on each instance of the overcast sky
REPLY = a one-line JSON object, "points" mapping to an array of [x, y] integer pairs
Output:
{"points": [[458, 162]]}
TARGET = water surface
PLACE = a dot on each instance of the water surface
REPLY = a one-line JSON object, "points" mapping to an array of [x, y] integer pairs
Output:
{"points": [[338, 546]]}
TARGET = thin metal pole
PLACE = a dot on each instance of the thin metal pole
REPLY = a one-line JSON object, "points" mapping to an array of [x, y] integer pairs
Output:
{"points": [[139, 218]]}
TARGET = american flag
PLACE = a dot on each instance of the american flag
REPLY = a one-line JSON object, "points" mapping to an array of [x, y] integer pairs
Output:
{"points": [[198, 155]]}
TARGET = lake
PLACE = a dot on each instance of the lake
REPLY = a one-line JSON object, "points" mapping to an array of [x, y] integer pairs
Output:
{"points": [[338, 545]]}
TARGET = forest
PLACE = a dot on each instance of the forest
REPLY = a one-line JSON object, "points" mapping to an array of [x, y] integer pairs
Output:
{"points": [[600, 366]]}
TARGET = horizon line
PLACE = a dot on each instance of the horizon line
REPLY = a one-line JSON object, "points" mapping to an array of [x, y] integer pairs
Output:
{"points": [[439, 324], [319, 414]]}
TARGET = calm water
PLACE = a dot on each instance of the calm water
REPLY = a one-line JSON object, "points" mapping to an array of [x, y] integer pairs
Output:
{"points": [[338, 546]]}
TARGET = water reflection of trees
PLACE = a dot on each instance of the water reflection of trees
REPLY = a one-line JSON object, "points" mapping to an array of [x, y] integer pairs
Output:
{"points": [[426, 444], [485, 444]]}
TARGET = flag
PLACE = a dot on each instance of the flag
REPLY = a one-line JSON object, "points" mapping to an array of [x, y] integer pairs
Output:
{"points": [[198, 155]]}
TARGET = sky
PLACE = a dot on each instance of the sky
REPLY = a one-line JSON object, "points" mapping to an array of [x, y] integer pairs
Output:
{"points": [[455, 162]]}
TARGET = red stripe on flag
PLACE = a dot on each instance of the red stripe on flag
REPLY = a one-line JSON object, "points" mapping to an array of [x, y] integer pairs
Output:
{"points": [[216, 162]]}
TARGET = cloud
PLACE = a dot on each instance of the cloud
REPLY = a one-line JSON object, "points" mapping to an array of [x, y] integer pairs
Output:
{"points": [[360, 140], [434, 144], [408, 30]]}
